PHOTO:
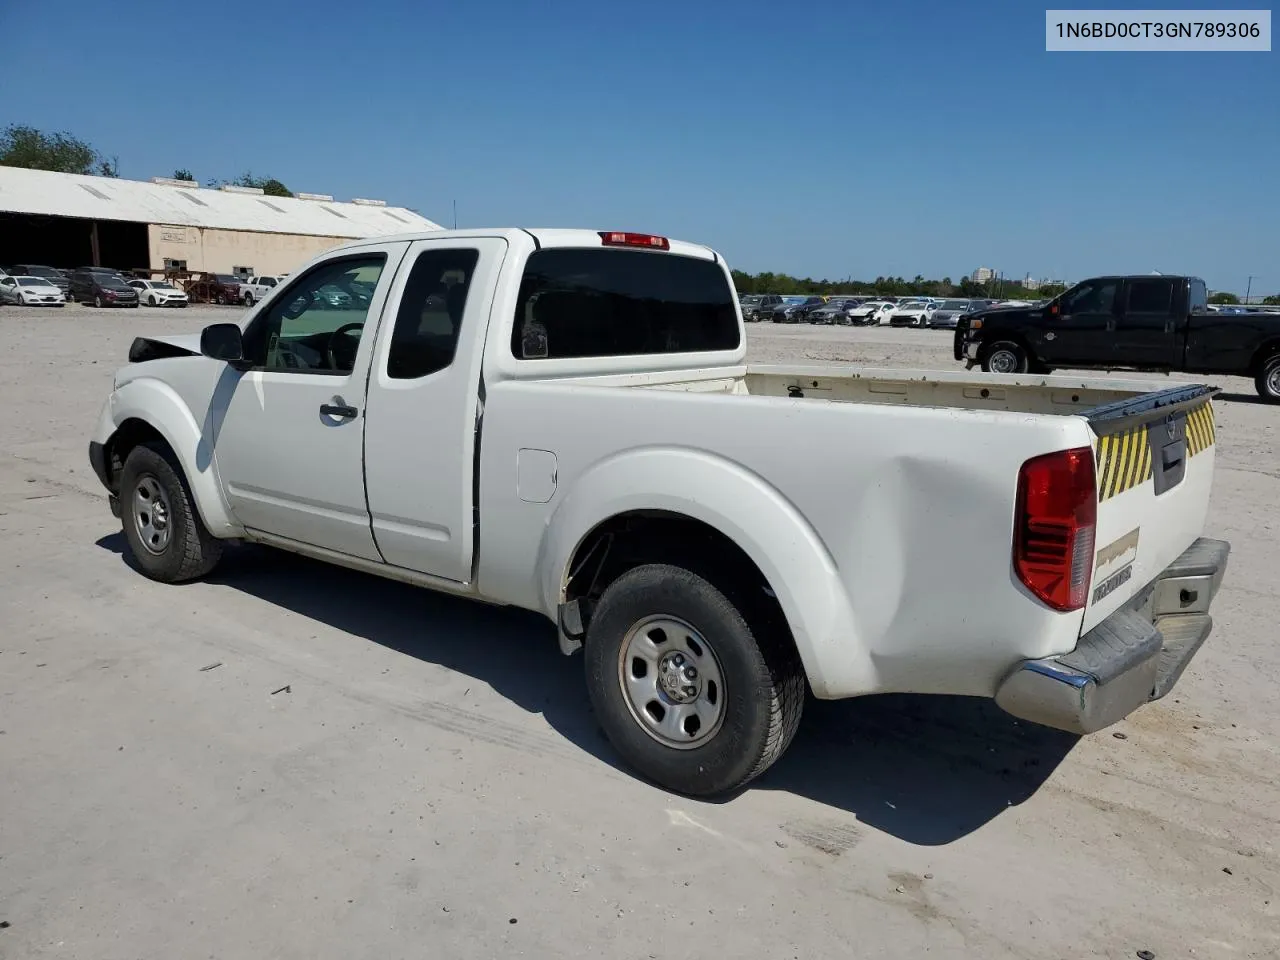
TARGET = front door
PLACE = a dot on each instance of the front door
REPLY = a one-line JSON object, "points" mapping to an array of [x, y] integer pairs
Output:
{"points": [[289, 447], [1082, 330], [424, 405], [1145, 330]]}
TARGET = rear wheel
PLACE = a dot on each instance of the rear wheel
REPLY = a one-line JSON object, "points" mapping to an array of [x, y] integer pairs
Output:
{"points": [[1268, 379], [1004, 357], [697, 692], [248, 299]]}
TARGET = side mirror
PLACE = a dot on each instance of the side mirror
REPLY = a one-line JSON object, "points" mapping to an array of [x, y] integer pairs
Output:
{"points": [[222, 341]]}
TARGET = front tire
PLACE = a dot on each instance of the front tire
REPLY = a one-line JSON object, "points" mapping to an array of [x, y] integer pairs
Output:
{"points": [[167, 538], [151, 301], [695, 695], [1267, 381], [1004, 357], [97, 302]]}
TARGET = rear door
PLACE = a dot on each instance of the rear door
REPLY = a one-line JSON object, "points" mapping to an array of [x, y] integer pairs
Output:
{"points": [[1082, 330], [1146, 331], [423, 405]]}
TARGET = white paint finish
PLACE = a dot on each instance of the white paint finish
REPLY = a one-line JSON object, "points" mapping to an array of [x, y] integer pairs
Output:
{"points": [[879, 506], [536, 475], [106, 198], [420, 434]]}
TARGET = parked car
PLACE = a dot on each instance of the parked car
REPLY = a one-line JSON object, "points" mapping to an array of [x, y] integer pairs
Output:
{"points": [[868, 312], [256, 288], [214, 288], [102, 287], [709, 584], [51, 274], [1141, 322], [30, 292], [159, 293], [947, 314], [794, 309], [913, 313], [748, 303], [835, 310], [763, 309]]}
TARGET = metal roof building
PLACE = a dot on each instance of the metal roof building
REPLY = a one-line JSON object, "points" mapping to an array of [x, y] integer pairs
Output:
{"points": [[67, 220]]}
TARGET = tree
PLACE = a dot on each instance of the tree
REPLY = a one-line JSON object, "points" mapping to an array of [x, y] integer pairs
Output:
{"points": [[268, 185], [1221, 297], [32, 149], [1272, 301], [182, 173]]}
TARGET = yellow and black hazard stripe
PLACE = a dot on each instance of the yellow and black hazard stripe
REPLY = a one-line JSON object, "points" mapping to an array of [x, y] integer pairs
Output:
{"points": [[1200, 429], [1124, 461], [1124, 458]]}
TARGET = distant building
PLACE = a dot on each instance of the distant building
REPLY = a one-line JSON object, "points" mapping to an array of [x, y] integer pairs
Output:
{"points": [[982, 275], [1031, 283]]}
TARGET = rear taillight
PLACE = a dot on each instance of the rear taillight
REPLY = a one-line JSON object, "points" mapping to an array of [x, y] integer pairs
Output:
{"points": [[612, 238], [1056, 514]]}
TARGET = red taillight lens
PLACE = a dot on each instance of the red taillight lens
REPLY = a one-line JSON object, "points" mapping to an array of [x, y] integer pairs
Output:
{"points": [[612, 238], [1056, 515]]}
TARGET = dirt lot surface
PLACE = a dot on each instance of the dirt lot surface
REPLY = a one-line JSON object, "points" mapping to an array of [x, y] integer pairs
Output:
{"points": [[294, 761]]}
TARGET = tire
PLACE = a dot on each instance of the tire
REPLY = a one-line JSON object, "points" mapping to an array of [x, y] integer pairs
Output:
{"points": [[248, 299], [759, 695], [1004, 356], [97, 302], [151, 301], [1267, 381], [187, 551]]}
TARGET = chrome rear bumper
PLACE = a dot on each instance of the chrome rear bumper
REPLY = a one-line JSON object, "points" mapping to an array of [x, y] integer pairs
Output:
{"points": [[1134, 656]]}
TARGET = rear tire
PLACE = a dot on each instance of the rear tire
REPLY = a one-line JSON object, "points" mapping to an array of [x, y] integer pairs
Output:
{"points": [[749, 681], [1267, 381], [168, 540], [1004, 356], [248, 299]]}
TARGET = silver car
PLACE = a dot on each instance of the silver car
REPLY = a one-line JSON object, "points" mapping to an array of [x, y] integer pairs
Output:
{"points": [[949, 313]]}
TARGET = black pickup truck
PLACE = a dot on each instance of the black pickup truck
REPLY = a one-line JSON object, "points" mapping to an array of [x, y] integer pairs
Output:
{"points": [[1149, 322]]}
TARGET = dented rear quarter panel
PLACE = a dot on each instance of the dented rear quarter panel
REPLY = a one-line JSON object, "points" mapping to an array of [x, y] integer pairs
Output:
{"points": [[885, 530]]}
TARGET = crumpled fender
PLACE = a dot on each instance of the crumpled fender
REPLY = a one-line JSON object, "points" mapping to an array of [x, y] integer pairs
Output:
{"points": [[156, 403], [746, 509]]}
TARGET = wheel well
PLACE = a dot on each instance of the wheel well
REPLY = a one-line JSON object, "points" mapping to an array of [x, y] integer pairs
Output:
{"points": [[128, 435], [1262, 354], [629, 540]]}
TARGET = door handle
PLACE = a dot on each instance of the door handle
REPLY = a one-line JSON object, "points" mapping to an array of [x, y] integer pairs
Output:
{"points": [[339, 411]]}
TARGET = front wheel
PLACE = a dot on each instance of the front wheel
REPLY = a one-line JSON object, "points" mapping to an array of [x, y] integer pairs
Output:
{"points": [[1268, 380], [97, 302], [694, 695], [1004, 357], [151, 301], [166, 536]]}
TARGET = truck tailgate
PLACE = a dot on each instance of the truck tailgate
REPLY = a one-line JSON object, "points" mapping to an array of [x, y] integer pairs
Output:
{"points": [[1154, 458]]}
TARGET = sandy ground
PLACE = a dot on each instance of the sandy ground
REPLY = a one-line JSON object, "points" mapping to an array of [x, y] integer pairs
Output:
{"points": [[430, 782]]}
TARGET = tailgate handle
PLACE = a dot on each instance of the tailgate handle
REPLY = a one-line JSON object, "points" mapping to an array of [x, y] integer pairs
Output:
{"points": [[1173, 454]]}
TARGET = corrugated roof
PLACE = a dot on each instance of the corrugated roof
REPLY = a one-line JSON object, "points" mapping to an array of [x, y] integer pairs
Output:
{"points": [[106, 198]]}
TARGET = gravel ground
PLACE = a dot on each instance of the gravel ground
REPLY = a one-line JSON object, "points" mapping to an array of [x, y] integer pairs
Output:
{"points": [[296, 761]]}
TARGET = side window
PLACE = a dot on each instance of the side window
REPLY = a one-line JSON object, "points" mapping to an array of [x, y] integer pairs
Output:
{"points": [[1096, 297], [268, 281], [1198, 298], [1150, 296], [429, 320], [315, 327]]}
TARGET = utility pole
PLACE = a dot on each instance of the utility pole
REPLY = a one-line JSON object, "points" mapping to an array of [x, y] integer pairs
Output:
{"points": [[455, 214], [1248, 288]]}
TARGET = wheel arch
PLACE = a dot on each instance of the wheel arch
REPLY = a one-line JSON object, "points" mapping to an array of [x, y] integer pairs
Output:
{"points": [[662, 501], [1267, 349], [146, 409]]}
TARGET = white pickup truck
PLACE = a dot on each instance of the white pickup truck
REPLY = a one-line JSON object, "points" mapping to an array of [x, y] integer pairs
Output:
{"points": [[565, 421], [256, 289]]}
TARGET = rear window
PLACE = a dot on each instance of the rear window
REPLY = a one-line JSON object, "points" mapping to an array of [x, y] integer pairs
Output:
{"points": [[611, 303]]}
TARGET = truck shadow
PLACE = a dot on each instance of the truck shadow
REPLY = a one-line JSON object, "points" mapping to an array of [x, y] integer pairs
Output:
{"points": [[928, 770]]}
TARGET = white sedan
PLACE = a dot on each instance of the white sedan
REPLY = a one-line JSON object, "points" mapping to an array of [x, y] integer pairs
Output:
{"points": [[915, 313], [158, 293], [30, 292], [869, 312]]}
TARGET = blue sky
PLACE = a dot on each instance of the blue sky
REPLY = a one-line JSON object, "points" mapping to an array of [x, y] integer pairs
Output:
{"points": [[814, 138]]}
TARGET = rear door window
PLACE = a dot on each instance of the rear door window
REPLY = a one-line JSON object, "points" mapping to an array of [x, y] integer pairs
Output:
{"points": [[576, 303], [1150, 296]]}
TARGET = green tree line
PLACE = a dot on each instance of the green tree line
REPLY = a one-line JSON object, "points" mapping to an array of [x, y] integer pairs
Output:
{"points": [[889, 286]]}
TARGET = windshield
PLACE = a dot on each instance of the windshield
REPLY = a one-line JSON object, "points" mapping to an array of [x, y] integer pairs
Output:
{"points": [[793, 301], [112, 283], [31, 282], [162, 285], [954, 305], [226, 278], [47, 272]]}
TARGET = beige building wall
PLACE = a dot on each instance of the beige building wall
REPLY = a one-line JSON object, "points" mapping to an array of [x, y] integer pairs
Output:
{"points": [[224, 250]]}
